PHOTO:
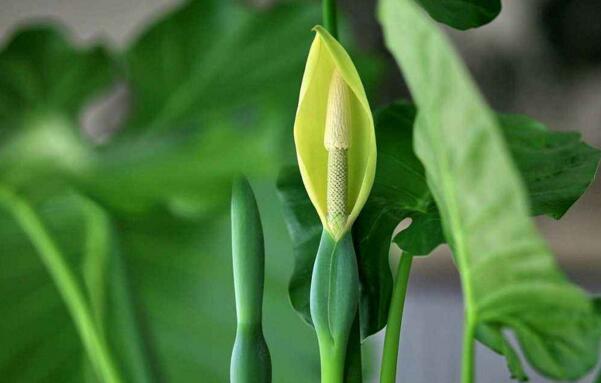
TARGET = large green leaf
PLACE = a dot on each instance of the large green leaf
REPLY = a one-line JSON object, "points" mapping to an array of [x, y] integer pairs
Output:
{"points": [[41, 72], [44, 83], [211, 99], [39, 327], [462, 14], [557, 167], [509, 277], [213, 57], [558, 163], [182, 273]]}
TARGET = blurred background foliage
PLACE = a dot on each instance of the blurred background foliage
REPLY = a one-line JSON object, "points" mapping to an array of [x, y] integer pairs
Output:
{"points": [[213, 87]]}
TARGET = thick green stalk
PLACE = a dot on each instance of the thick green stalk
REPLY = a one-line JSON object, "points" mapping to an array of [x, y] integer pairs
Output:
{"points": [[352, 364], [468, 352], [334, 300], [395, 320], [330, 17], [332, 363], [251, 362], [66, 284]]}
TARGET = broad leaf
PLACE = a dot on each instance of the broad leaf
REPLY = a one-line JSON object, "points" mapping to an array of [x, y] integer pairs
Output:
{"points": [[44, 83], [462, 14], [557, 167], [211, 99], [41, 72], [509, 277], [210, 58], [39, 327]]}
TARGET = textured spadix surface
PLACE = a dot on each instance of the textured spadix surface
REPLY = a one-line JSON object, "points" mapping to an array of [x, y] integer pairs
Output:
{"points": [[327, 58]]}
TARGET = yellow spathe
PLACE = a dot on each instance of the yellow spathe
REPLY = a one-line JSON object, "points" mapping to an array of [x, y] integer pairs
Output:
{"points": [[326, 57]]}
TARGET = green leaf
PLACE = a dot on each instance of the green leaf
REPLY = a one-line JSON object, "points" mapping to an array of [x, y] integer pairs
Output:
{"points": [[462, 14], [492, 336], [173, 276], [44, 83], [49, 325], [211, 99], [41, 72], [509, 277], [399, 191], [214, 60], [557, 168]]}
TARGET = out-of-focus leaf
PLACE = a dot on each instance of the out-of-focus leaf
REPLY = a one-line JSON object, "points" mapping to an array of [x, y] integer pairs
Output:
{"points": [[44, 83], [510, 279], [187, 171], [217, 59], [182, 271], [41, 72], [462, 14], [37, 326], [173, 277], [212, 97], [400, 192]]}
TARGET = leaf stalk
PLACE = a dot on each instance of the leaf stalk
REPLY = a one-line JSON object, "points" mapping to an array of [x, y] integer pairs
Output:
{"points": [[395, 320]]}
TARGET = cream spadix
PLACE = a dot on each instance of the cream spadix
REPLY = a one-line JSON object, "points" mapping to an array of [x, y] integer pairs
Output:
{"points": [[334, 135], [337, 142]]}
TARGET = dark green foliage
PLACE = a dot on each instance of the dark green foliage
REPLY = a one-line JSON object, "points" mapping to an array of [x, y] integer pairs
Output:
{"points": [[462, 14]]}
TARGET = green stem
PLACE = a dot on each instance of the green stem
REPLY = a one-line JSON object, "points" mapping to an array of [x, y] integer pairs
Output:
{"points": [[65, 281], [332, 365], [330, 17], [468, 354], [352, 362], [395, 319]]}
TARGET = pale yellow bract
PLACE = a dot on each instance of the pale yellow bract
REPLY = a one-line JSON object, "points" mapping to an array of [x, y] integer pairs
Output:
{"points": [[326, 57]]}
